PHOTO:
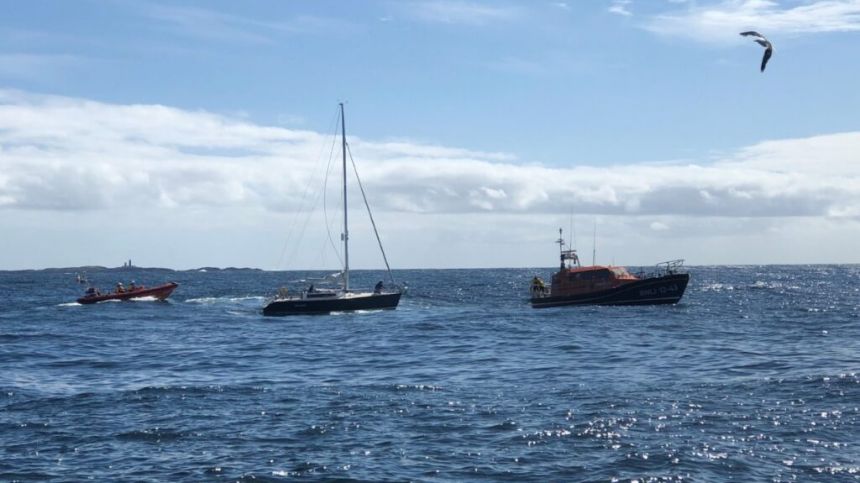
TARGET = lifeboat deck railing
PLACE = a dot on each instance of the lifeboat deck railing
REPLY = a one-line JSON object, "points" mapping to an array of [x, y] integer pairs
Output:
{"points": [[671, 267], [662, 269]]}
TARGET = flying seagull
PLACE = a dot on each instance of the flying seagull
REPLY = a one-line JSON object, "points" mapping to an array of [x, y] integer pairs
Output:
{"points": [[768, 48]]}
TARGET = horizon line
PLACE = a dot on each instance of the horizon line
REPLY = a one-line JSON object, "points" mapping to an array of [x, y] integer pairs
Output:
{"points": [[198, 269]]}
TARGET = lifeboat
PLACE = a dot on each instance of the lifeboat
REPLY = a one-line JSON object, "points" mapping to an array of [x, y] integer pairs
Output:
{"points": [[574, 284], [160, 292]]}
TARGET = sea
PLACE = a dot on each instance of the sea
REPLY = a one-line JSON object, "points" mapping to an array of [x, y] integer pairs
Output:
{"points": [[753, 376]]}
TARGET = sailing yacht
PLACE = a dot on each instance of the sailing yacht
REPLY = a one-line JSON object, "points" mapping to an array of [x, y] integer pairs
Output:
{"points": [[343, 298]]}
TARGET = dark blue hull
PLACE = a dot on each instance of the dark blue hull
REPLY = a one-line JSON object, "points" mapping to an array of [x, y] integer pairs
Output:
{"points": [[327, 305], [667, 289]]}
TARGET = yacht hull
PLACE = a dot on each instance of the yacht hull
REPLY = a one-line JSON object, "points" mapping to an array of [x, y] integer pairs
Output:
{"points": [[304, 306], [666, 289]]}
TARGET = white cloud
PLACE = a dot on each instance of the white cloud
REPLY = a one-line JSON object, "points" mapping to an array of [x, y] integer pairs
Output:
{"points": [[61, 153], [720, 22], [460, 12], [211, 24], [620, 7]]}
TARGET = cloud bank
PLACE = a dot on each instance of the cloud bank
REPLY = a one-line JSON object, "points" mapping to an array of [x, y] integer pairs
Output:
{"points": [[227, 191], [67, 154]]}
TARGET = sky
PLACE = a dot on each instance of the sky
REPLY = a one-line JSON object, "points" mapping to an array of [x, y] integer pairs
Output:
{"points": [[185, 134]]}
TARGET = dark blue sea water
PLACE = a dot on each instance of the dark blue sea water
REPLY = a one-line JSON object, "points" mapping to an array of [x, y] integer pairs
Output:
{"points": [[755, 376]]}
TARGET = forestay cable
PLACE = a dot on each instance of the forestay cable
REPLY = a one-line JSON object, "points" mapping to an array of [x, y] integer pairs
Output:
{"points": [[370, 214]]}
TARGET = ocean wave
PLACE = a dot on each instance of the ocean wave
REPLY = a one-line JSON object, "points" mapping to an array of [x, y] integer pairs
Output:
{"points": [[762, 285], [153, 435], [717, 287], [217, 300]]}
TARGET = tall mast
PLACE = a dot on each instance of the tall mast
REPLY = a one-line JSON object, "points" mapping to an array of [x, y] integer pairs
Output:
{"points": [[345, 224]]}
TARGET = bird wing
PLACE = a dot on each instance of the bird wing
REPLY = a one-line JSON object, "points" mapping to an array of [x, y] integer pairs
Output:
{"points": [[767, 53], [753, 33]]}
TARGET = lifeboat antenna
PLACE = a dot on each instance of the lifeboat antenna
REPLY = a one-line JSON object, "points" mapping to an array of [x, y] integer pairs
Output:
{"points": [[560, 242], [569, 254], [572, 246]]}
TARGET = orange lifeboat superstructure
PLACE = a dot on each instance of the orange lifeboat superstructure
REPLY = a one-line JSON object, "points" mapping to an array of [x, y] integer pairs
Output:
{"points": [[582, 280]]}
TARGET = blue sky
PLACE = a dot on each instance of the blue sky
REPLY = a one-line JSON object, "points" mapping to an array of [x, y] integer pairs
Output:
{"points": [[481, 126]]}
